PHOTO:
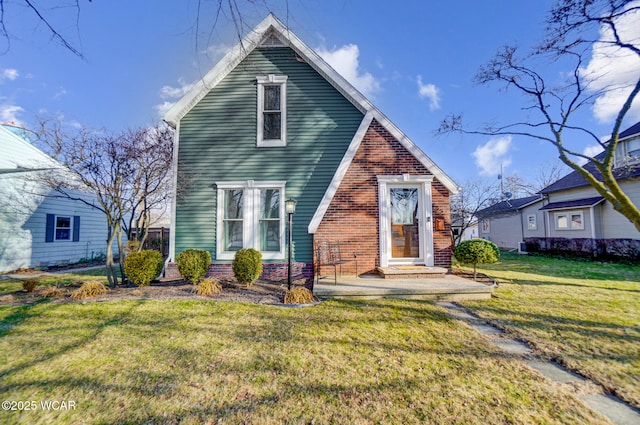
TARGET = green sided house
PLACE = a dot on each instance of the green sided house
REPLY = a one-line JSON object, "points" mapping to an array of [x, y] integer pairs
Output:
{"points": [[273, 121]]}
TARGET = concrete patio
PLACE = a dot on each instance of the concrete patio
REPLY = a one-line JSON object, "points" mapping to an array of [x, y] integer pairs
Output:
{"points": [[446, 288]]}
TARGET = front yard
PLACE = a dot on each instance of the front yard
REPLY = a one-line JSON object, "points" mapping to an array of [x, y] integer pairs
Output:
{"points": [[388, 361], [583, 315]]}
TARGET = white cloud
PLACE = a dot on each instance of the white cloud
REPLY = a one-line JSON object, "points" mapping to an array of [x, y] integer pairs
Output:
{"points": [[217, 51], [429, 91], [9, 115], [171, 94], [345, 61], [492, 155], [163, 108], [592, 150], [9, 74], [614, 70]]}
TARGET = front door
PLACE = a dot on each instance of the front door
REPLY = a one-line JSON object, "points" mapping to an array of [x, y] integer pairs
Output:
{"points": [[406, 232]]}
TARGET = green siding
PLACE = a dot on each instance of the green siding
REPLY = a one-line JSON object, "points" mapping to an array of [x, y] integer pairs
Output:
{"points": [[218, 143]]}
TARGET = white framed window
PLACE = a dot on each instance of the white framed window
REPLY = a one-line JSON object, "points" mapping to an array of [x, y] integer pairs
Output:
{"points": [[250, 214], [272, 110], [569, 220], [63, 228], [532, 222], [484, 226]]}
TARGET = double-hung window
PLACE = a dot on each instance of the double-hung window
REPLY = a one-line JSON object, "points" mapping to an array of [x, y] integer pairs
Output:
{"points": [[250, 215], [62, 228], [272, 110]]}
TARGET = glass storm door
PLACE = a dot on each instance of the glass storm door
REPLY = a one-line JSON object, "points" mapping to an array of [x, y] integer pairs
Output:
{"points": [[405, 224]]}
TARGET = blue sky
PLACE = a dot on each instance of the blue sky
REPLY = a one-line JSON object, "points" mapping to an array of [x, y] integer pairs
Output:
{"points": [[416, 62]]}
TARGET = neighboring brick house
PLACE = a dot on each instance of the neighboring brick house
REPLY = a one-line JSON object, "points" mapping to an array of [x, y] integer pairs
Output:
{"points": [[273, 121]]}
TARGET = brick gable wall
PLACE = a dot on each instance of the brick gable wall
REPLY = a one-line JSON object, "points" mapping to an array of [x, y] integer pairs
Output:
{"points": [[352, 217]]}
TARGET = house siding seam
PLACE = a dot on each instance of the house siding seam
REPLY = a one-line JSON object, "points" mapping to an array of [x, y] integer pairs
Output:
{"points": [[352, 217]]}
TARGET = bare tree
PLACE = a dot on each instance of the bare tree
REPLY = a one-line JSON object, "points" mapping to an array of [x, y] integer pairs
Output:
{"points": [[44, 15], [127, 172], [473, 196], [574, 29], [151, 152], [95, 161]]}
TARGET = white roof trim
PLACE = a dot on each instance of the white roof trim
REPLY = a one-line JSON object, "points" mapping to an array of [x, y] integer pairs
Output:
{"points": [[351, 152], [241, 50], [272, 26], [340, 172]]}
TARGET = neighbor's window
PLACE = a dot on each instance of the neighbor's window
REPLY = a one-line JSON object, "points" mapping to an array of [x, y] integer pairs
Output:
{"points": [[484, 226], [63, 228], [272, 110], [532, 223], [250, 215], [572, 220]]}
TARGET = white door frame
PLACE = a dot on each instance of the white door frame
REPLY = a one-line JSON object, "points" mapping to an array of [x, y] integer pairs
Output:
{"points": [[425, 221]]}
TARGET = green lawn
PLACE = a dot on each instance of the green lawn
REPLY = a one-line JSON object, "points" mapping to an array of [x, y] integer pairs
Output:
{"points": [[584, 315], [191, 362]]}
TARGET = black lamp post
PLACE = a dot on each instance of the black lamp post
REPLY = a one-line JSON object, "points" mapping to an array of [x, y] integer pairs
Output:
{"points": [[290, 209]]}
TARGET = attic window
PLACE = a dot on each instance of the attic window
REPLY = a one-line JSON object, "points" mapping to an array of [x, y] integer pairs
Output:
{"points": [[272, 111]]}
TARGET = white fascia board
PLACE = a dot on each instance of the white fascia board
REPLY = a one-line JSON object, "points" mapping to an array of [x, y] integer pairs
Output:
{"points": [[374, 113], [339, 174], [416, 152], [241, 50]]}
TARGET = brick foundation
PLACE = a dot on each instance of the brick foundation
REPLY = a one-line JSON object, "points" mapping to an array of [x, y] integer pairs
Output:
{"points": [[352, 217], [270, 271]]}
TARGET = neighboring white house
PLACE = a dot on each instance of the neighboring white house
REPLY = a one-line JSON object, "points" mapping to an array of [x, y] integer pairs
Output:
{"points": [[38, 229], [509, 222], [575, 210], [570, 215]]}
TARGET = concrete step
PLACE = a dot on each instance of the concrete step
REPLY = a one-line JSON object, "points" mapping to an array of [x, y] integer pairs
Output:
{"points": [[411, 272]]}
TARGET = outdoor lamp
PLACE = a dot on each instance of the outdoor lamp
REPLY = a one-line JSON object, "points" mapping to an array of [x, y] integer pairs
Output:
{"points": [[290, 206], [290, 209]]}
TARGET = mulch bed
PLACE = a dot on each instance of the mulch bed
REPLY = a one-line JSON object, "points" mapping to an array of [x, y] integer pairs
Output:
{"points": [[261, 292], [480, 277]]}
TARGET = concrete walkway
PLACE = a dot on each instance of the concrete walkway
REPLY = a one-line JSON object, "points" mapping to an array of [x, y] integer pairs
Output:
{"points": [[586, 390], [446, 288]]}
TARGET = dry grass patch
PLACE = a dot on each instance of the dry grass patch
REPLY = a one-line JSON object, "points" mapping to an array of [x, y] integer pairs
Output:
{"points": [[208, 286], [299, 295], [89, 289], [209, 362]]}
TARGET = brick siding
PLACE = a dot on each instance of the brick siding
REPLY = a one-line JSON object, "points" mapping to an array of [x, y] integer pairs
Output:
{"points": [[352, 217]]}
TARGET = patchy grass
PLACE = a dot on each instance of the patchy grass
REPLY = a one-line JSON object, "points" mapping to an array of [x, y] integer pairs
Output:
{"points": [[584, 315], [194, 362]]}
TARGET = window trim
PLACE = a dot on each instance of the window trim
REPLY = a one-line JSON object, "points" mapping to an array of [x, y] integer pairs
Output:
{"points": [[272, 80], [532, 224], [251, 217], [568, 215]]}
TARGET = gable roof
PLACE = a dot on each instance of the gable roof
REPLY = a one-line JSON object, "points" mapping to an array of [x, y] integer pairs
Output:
{"points": [[19, 156], [508, 206], [574, 180], [270, 32]]}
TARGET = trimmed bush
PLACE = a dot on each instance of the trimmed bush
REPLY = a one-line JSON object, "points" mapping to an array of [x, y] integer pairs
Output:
{"points": [[93, 288], [209, 286], [29, 285], [298, 295], [477, 251], [247, 266], [193, 264], [143, 266]]}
